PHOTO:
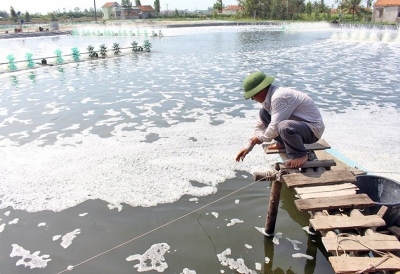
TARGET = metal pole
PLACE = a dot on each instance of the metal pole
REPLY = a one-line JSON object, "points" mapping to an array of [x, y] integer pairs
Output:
{"points": [[95, 15]]}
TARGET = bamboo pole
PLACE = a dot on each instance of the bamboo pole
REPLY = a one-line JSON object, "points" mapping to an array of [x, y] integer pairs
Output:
{"points": [[273, 207]]}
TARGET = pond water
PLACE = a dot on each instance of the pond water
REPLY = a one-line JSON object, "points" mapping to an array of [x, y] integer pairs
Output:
{"points": [[103, 160]]}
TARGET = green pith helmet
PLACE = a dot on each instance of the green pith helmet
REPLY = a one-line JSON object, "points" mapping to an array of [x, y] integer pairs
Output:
{"points": [[255, 83]]}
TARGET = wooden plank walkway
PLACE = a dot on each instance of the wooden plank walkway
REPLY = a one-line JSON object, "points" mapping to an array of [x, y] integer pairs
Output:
{"points": [[325, 188]]}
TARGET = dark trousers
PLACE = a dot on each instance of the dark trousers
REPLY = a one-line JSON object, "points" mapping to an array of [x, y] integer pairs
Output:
{"points": [[292, 134]]}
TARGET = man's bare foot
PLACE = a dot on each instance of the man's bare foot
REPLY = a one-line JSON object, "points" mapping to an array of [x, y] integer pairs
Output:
{"points": [[275, 146], [296, 163]]}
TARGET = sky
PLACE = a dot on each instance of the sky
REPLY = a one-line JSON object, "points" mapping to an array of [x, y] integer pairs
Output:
{"points": [[45, 6]]}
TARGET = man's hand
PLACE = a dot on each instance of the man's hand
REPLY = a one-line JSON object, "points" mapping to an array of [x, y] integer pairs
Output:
{"points": [[242, 153]]}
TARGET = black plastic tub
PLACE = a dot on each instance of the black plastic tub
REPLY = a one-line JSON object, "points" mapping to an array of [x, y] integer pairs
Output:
{"points": [[383, 191]]}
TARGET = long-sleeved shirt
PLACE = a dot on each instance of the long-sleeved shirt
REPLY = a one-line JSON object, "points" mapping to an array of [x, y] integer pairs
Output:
{"points": [[287, 104]]}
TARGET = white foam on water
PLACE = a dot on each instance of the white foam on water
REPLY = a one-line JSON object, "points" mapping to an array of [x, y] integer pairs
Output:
{"points": [[301, 255], [215, 214], [295, 243], [258, 266], [276, 238], [13, 222], [73, 127], [154, 256], [55, 108], [115, 206], [88, 113], [55, 238], [13, 119], [22, 134], [67, 238], [43, 127], [367, 137], [261, 230], [188, 271], [2, 227], [3, 111], [195, 199], [111, 112], [128, 170], [33, 260], [123, 170], [7, 213], [234, 221], [237, 265]]}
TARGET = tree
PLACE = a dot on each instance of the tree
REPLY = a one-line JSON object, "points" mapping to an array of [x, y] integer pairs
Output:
{"points": [[4, 14], [352, 6], [322, 6], [53, 17], [249, 6], [309, 8], [218, 6], [157, 6], [276, 10], [14, 15], [127, 4], [27, 17], [137, 3]]}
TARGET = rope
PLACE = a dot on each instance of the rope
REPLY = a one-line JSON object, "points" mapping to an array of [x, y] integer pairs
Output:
{"points": [[159, 227], [385, 256]]}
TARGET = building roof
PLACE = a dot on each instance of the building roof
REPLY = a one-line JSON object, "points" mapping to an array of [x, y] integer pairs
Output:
{"points": [[232, 7], [387, 3], [146, 8], [110, 5]]}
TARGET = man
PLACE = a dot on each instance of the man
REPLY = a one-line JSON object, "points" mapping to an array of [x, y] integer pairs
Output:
{"points": [[288, 116]]}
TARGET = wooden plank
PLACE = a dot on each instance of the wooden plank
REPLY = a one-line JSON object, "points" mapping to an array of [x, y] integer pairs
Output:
{"points": [[332, 222], [347, 265], [335, 193], [319, 178], [311, 164], [347, 201], [320, 145], [384, 243], [316, 189]]}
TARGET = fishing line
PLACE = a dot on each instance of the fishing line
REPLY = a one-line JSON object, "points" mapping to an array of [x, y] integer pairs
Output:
{"points": [[159, 227]]}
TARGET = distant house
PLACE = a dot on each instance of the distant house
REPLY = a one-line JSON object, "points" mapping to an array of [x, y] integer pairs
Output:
{"points": [[232, 9], [386, 11], [113, 10], [147, 12]]}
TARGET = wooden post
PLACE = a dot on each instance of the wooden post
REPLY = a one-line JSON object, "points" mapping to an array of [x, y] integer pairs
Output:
{"points": [[273, 207]]}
